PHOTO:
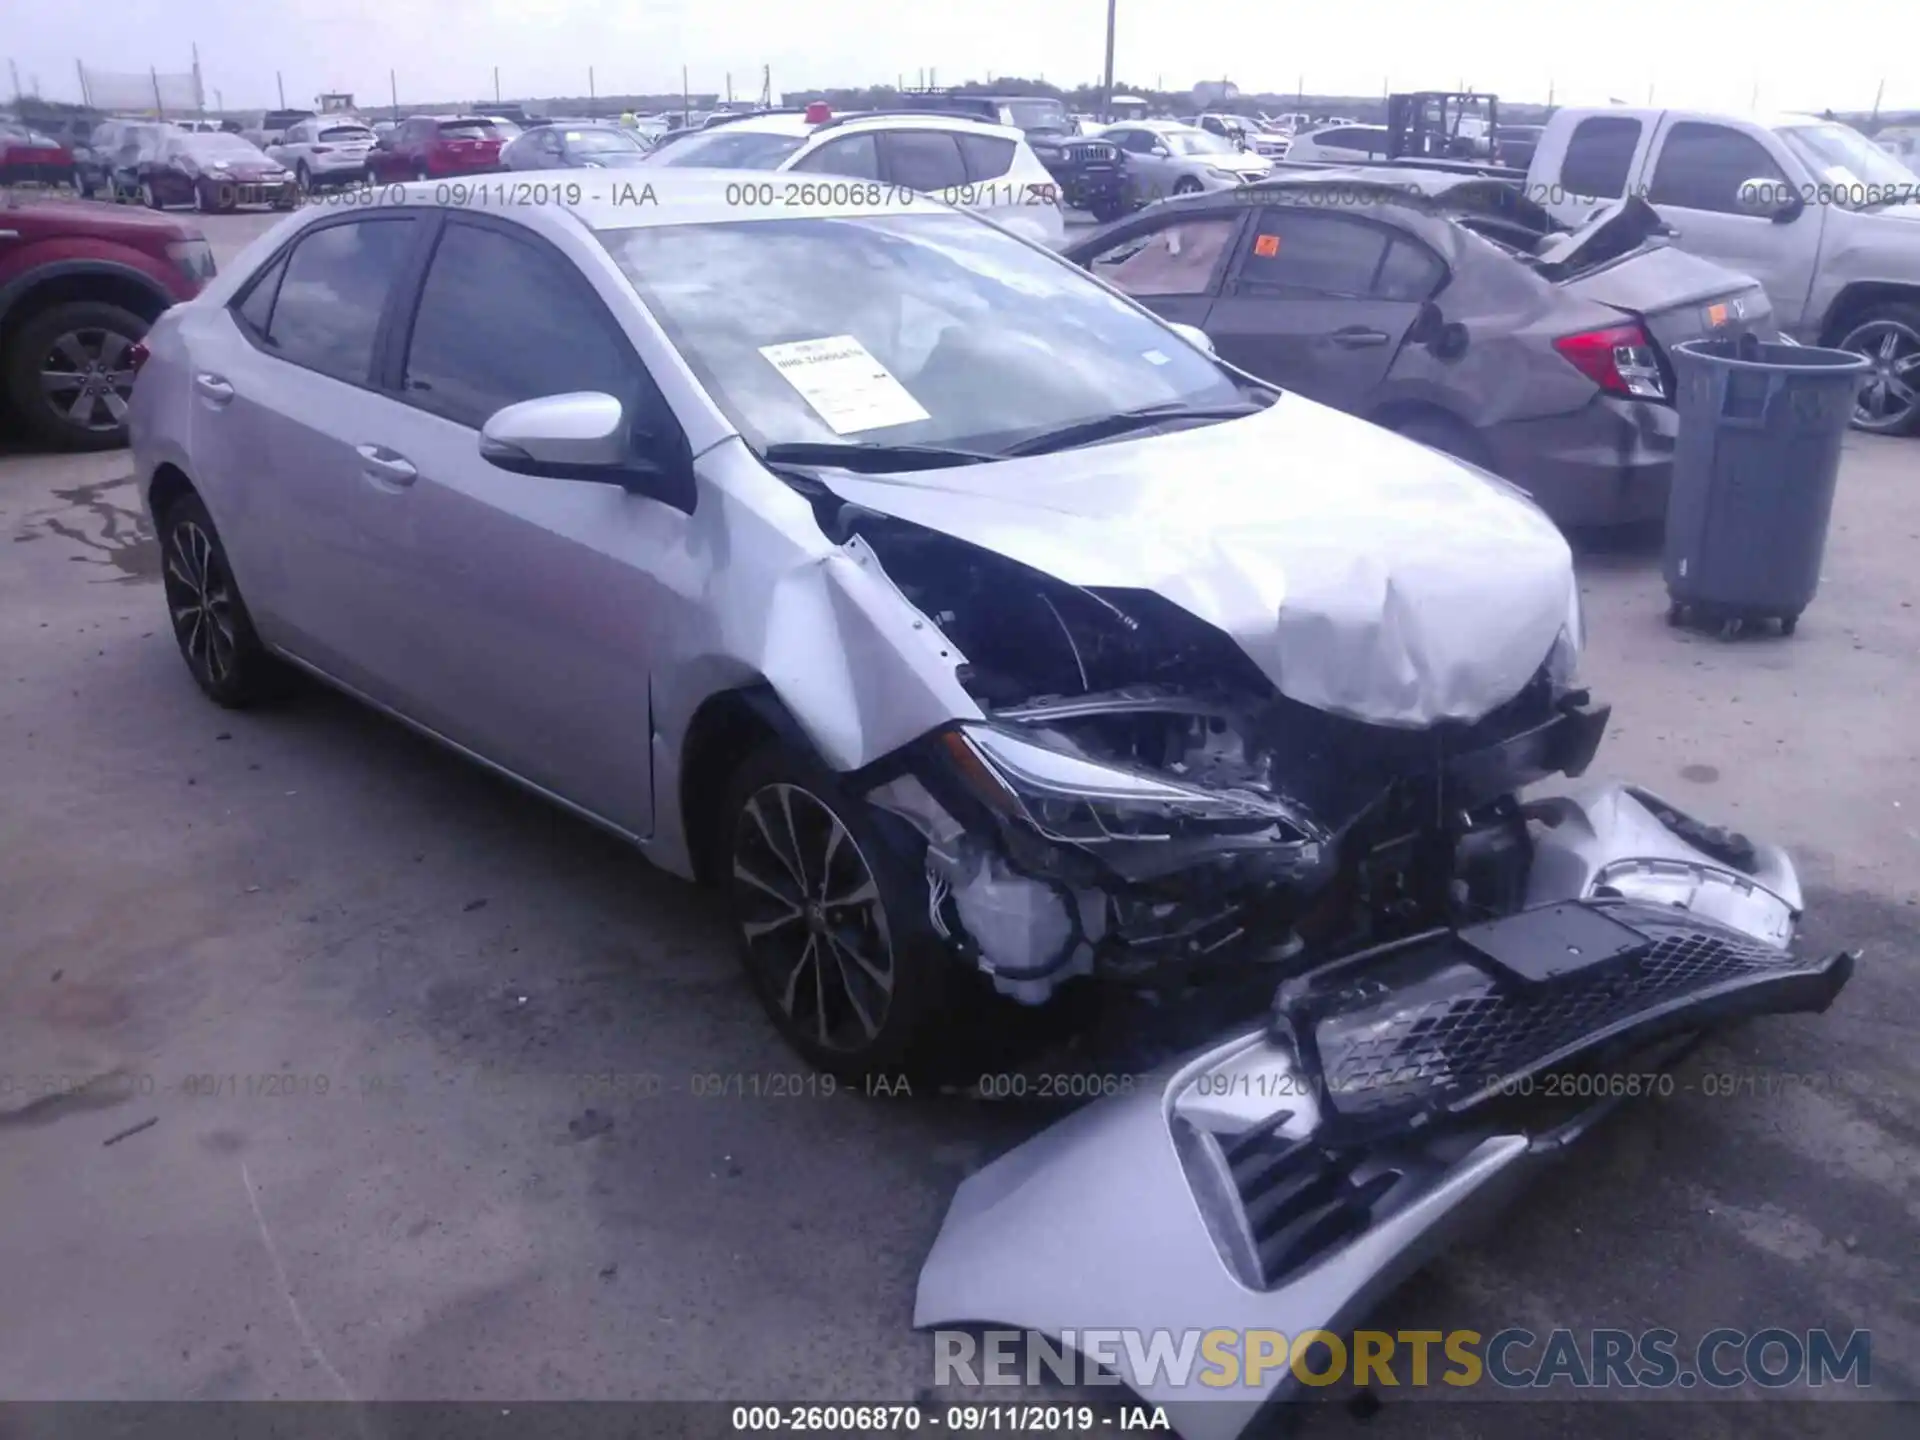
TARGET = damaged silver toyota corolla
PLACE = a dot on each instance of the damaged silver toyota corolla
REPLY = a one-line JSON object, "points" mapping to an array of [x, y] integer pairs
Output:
{"points": [[964, 618]]}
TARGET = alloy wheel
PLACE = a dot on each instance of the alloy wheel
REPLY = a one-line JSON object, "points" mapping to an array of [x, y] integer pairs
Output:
{"points": [[811, 913], [200, 599], [86, 378], [1890, 397]]}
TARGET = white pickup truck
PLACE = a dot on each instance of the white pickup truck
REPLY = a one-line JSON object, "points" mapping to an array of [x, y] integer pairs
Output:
{"points": [[1823, 218]]}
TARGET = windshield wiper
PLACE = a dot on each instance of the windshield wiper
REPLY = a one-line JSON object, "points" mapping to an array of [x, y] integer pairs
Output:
{"points": [[869, 455], [1100, 427]]}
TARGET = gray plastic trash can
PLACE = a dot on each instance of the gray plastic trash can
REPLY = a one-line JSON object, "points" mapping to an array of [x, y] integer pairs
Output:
{"points": [[1753, 476]]}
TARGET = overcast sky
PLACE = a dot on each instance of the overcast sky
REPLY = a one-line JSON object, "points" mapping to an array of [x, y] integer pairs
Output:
{"points": [[1701, 52]]}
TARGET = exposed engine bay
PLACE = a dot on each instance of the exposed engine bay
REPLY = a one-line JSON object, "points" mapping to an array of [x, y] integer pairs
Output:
{"points": [[1143, 797]]}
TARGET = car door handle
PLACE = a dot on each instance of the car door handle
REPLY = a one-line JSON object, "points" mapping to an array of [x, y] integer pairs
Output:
{"points": [[384, 464], [213, 388], [1358, 337]]}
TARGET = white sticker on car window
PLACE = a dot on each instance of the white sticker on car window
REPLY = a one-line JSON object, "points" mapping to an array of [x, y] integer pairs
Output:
{"points": [[846, 386], [1153, 357]]}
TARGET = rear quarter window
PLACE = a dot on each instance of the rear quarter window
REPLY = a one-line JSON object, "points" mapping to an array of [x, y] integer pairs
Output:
{"points": [[987, 157], [1599, 154]]}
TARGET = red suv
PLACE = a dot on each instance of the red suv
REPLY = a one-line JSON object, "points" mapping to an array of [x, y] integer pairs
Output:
{"points": [[80, 282], [435, 147]]}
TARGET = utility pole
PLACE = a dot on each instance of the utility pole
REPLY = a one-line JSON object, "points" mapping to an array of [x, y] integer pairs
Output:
{"points": [[86, 93], [593, 101], [1876, 100], [393, 93], [1106, 84], [686, 96], [13, 67], [199, 94], [281, 86], [729, 89], [496, 84], [159, 105]]}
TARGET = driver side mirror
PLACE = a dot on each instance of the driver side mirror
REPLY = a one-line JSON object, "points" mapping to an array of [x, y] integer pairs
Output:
{"points": [[1160, 150], [585, 436], [1775, 200]]}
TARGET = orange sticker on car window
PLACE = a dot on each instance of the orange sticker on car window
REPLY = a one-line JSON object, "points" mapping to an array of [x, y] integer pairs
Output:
{"points": [[1266, 246]]}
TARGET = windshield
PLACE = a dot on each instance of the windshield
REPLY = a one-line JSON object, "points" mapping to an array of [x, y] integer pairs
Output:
{"points": [[216, 146], [1197, 142], [602, 142], [1859, 170], [1036, 114], [901, 329], [729, 149]]}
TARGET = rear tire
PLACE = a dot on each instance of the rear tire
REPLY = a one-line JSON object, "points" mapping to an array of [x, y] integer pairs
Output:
{"points": [[150, 197], [210, 620], [1186, 185], [1447, 435], [832, 920]]}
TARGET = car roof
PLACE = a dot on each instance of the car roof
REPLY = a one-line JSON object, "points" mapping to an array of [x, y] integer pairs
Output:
{"points": [[797, 124], [669, 195]]}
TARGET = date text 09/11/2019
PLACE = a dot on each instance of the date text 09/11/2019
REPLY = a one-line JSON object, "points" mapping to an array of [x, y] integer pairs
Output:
{"points": [[960, 1419]]}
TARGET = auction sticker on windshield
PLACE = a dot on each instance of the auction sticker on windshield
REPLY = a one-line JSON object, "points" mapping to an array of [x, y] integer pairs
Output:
{"points": [[846, 386]]}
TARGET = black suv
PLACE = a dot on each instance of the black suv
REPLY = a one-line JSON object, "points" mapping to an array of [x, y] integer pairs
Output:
{"points": [[1091, 172]]}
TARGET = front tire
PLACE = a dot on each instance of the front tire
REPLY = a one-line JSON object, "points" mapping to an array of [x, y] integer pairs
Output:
{"points": [[1186, 185], [210, 620], [1889, 336], [832, 920], [150, 197], [303, 177], [67, 376]]}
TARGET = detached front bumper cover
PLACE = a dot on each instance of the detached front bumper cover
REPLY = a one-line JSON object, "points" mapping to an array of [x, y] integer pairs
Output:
{"points": [[1291, 1177]]}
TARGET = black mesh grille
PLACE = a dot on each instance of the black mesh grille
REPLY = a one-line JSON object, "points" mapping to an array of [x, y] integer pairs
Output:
{"points": [[1388, 1054], [1092, 154]]}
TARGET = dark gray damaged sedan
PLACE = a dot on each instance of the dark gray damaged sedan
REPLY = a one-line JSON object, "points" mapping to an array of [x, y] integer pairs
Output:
{"points": [[1447, 307]]}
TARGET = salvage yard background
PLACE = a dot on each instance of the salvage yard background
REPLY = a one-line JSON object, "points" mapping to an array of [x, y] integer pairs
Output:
{"points": [[311, 891]]}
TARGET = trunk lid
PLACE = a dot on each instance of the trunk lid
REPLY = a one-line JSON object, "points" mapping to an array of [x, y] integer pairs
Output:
{"points": [[1678, 297]]}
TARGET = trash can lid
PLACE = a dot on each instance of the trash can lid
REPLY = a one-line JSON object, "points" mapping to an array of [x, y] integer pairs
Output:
{"points": [[1778, 356]]}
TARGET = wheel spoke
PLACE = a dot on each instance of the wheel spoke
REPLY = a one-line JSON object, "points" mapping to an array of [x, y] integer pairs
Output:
{"points": [[773, 846], [69, 348], [1890, 346], [809, 951], [793, 836], [1900, 391], [60, 382], [765, 886], [81, 411], [863, 893], [1910, 365], [847, 987], [882, 978], [755, 929], [819, 992], [112, 347], [116, 407]]}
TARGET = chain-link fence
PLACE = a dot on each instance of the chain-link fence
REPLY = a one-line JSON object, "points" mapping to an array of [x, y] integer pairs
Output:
{"points": [[164, 92]]}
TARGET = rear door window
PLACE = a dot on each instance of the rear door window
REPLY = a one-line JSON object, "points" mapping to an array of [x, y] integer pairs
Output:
{"points": [[925, 160], [1702, 166], [855, 156], [1321, 254], [333, 293], [1599, 155]]}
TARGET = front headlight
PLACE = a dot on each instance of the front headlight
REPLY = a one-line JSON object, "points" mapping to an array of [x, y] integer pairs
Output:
{"points": [[1220, 173], [1071, 799], [193, 259], [1563, 661]]}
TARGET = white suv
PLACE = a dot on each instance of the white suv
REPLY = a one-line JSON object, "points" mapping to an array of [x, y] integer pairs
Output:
{"points": [[989, 169], [325, 150]]}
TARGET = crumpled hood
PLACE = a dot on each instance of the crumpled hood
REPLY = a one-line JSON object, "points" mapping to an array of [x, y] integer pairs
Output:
{"points": [[1364, 574]]}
